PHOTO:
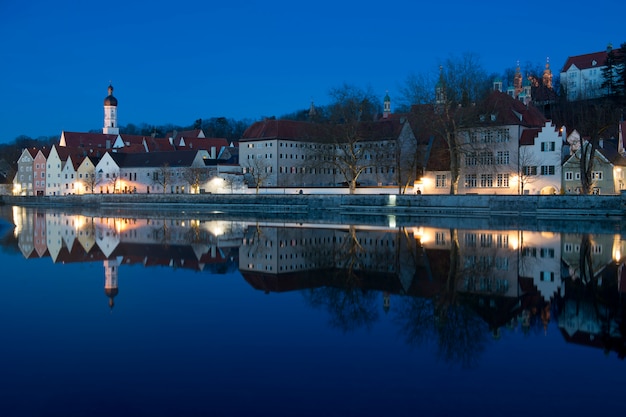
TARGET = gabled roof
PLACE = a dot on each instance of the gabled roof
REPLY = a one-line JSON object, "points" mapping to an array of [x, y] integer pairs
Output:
{"points": [[159, 144], [586, 61], [280, 129], [528, 136], [191, 134], [202, 143], [88, 140], [154, 159], [305, 131], [500, 109]]}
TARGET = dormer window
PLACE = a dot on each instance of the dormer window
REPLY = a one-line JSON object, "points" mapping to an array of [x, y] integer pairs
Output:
{"points": [[482, 117], [493, 117], [594, 63]]}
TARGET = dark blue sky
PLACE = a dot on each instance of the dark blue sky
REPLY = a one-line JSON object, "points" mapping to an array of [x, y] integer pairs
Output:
{"points": [[176, 61]]}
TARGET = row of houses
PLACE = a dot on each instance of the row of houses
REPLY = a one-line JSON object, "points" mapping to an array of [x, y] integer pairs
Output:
{"points": [[510, 148]]}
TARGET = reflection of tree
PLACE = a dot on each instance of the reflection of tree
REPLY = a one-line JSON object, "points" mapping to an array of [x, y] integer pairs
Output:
{"points": [[349, 308], [349, 304], [459, 331]]}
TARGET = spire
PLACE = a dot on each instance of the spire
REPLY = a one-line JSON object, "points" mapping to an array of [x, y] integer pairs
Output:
{"points": [[440, 89], [386, 105], [312, 111], [517, 81], [547, 74]]}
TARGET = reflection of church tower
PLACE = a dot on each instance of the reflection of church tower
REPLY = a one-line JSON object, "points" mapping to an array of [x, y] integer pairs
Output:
{"points": [[386, 106], [110, 114], [111, 267], [386, 301]]}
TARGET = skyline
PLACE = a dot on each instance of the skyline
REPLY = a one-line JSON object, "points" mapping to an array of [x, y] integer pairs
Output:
{"points": [[246, 60]]}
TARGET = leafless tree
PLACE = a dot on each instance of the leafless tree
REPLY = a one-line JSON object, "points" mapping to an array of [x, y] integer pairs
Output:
{"points": [[461, 83], [257, 171], [163, 176], [195, 176]]}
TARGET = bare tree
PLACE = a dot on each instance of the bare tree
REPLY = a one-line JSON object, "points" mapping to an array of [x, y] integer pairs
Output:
{"points": [[527, 168], [257, 171], [163, 176], [461, 83], [195, 176]]}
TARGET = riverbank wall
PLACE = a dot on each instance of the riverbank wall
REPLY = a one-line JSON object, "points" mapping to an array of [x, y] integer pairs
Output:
{"points": [[399, 205], [550, 213]]}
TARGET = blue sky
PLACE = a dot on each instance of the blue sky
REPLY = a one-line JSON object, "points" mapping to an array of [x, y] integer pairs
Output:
{"points": [[174, 62]]}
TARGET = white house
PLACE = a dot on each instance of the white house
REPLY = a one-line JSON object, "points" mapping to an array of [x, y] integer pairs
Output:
{"points": [[155, 172], [540, 160], [581, 76]]}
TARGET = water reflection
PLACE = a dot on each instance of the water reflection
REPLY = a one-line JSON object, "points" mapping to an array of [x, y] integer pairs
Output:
{"points": [[459, 289]]}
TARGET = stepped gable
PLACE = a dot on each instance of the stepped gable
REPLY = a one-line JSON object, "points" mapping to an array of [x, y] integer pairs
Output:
{"points": [[586, 61]]}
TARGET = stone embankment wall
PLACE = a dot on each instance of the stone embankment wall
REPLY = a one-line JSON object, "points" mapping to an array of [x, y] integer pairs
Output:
{"points": [[410, 205]]}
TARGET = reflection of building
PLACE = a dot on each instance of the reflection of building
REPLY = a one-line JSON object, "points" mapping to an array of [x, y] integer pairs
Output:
{"points": [[504, 278], [181, 243]]}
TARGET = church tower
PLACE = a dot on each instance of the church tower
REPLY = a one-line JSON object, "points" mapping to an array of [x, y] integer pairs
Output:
{"points": [[386, 106], [547, 75], [440, 92], [517, 81], [110, 114]]}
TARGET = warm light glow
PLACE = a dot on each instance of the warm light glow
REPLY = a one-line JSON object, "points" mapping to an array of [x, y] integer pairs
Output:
{"points": [[392, 221], [392, 200]]}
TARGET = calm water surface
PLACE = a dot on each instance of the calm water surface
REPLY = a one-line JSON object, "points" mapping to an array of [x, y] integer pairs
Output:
{"points": [[180, 316]]}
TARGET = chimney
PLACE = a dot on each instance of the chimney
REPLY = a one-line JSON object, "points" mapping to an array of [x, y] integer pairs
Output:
{"points": [[213, 152]]}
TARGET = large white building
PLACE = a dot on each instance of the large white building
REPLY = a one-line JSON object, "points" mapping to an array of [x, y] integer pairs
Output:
{"points": [[581, 76]]}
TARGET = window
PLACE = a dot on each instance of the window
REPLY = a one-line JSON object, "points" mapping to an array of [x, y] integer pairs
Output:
{"points": [[470, 159], [529, 170], [502, 158], [547, 170], [486, 180], [596, 175], [441, 181], [470, 181], [569, 176], [547, 276], [502, 180], [486, 158], [547, 147]]}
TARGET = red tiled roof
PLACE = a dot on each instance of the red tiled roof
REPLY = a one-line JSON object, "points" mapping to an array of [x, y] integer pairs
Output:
{"points": [[528, 136], [586, 61], [159, 144], [507, 111], [296, 130], [88, 140], [203, 143], [185, 134]]}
